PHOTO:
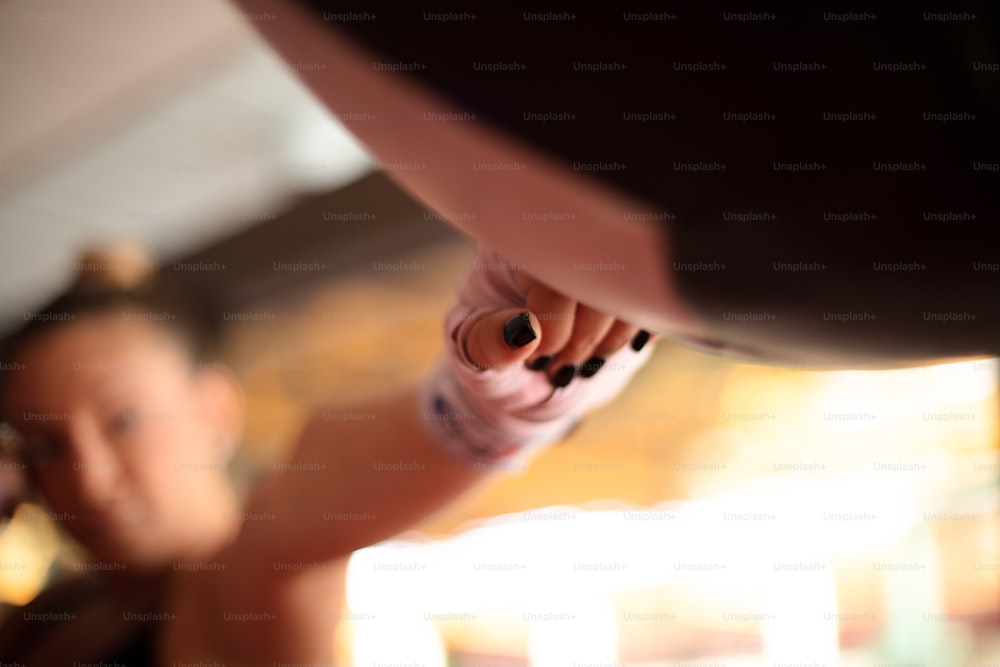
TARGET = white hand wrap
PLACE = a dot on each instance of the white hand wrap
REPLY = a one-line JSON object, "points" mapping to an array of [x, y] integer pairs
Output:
{"points": [[504, 416]]}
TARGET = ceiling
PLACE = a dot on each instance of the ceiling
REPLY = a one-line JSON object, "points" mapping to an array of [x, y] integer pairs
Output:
{"points": [[170, 123]]}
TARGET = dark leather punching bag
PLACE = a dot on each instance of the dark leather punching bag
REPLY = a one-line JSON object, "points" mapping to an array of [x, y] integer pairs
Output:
{"points": [[802, 185]]}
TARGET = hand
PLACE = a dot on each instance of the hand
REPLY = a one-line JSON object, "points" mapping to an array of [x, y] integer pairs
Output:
{"points": [[560, 337], [524, 363]]}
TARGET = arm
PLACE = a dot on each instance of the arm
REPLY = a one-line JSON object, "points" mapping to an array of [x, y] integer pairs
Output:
{"points": [[362, 472], [289, 567], [351, 481]]}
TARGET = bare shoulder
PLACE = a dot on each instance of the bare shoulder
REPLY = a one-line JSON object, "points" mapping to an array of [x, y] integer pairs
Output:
{"points": [[244, 607]]}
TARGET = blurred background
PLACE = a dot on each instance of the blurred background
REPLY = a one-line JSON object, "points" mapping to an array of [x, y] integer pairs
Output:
{"points": [[719, 514]]}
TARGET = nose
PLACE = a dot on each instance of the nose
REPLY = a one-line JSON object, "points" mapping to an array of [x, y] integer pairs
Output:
{"points": [[92, 470]]}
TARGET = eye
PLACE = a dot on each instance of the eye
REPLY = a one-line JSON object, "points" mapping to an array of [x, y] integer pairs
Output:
{"points": [[42, 447], [124, 422]]}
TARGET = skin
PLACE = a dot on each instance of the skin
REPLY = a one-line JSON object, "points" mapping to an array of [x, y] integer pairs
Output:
{"points": [[140, 464]]}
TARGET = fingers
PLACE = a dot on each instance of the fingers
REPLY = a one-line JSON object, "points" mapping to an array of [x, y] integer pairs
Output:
{"points": [[640, 340], [503, 338], [556, 313], [550, 332], [620, 335], [590, 327], [576, 340]]}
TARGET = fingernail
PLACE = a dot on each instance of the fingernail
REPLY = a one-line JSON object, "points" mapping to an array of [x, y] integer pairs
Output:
{"points": [[541, 363], [563, 376], [517, 331], [640, 340], [591, 366]]}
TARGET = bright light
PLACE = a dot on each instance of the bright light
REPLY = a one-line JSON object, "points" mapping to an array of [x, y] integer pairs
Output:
{"points": [[392, 639], [797, 627], [567, 560], [729, 546], [891, 394], [28, 546], [589, 637]]}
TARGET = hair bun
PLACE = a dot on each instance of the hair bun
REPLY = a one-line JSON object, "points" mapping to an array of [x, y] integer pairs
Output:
{"points": [[125, 265]]}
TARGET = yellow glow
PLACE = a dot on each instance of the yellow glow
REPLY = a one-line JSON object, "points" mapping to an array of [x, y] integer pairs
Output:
{"points": [[28, 546], [908, 391]]}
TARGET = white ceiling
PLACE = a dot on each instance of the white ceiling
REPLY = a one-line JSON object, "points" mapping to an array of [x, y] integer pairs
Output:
{"points": [[171, 123]]}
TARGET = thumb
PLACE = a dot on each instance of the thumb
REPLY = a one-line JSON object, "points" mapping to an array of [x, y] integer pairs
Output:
{"points": [[502, 338]]}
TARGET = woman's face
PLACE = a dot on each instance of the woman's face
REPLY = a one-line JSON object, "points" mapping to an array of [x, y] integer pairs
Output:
{"points": [[126, 442]]}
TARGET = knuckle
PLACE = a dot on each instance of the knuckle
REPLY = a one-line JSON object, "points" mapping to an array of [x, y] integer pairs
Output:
{"points": [[581, 345], [555, 317]]}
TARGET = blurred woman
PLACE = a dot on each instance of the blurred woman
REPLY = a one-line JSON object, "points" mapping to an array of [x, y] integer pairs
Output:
{"points": [[126, 432]]}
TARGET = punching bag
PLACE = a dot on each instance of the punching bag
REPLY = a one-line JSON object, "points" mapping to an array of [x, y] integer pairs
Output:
{"points": [[806, 186]]}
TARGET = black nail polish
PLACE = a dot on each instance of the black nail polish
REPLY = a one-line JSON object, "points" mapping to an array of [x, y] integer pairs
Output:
{"points": [[563, 376], [640, 340], [591, 366], [541, 363], [517, 331]]}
